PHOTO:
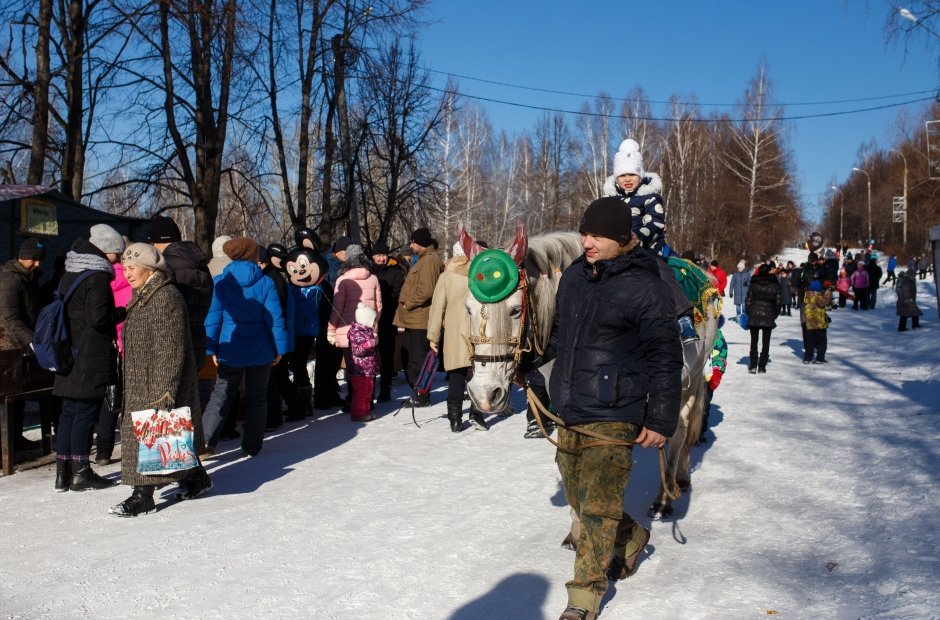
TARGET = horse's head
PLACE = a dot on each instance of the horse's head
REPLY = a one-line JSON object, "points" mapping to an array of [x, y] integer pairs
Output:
{"points": [[497, 320]]}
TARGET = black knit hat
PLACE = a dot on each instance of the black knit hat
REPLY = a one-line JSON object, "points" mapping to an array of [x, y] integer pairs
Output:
{"points": [[32, 249], [608, 217], [341, 244], [379, 248], [163, 230], [422, 237]]}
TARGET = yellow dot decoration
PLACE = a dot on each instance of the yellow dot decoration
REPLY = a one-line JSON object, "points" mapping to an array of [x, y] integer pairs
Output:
{"points": [[497, 274]]}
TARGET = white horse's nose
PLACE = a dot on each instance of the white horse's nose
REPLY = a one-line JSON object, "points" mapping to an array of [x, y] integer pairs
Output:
{"points": [[492, 397]]}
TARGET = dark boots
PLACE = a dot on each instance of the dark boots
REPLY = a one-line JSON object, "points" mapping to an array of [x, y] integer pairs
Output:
{"points": [[305, 404], [455, 415], [196, 483], [419, 400], [85, 479], [139, 503], [476, 418], [63, 471], [103, 453]]}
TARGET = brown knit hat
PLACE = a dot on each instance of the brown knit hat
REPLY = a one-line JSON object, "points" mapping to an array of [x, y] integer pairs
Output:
{"points": [[241, 248]]}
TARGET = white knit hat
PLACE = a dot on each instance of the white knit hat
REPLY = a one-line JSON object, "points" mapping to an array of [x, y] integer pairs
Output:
{"points": [[628, 159], [217, 251], [458, 250]]}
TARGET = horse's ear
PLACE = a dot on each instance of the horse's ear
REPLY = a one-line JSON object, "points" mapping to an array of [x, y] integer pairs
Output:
{"points": [[520, 244], [470, 247]]}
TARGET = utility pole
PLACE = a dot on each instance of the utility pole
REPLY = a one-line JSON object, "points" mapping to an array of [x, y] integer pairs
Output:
{"points": [[339, 44]]}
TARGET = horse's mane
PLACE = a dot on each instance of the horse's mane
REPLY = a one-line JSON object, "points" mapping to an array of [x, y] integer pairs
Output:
{"points": [[547, 257]]}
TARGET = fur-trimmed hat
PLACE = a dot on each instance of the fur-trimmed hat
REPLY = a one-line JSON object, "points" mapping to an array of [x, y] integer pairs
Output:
{"points": [[422, 236], [144, 255], [163, 230], [241, 248], [628, 159], [608, 217], [106, 239]]}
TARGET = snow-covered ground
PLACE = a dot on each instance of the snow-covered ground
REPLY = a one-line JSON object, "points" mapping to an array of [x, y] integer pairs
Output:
{"points": [[814, 498]]}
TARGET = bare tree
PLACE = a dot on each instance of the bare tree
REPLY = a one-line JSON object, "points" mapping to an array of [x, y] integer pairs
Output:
{"points": [[755, 161], [402, 123]]}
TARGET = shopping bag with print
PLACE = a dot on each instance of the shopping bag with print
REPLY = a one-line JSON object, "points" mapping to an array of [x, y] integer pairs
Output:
{"points": [[166, 442]]}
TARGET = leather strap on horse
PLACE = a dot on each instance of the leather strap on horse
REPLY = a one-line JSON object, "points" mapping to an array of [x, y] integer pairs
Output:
{"points": [[671, 491]]}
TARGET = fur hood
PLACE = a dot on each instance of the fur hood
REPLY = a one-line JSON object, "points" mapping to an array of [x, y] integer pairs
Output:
{"points": [[651, 184]]}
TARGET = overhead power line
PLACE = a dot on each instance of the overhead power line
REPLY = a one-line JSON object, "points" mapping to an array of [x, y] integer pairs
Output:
{"points": [[642, 100], [676, 120]]}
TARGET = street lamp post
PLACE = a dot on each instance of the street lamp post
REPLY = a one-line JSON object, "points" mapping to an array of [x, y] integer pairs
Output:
{"points": [[904, 226], [868, 177], [841, 208], [917, 22]]}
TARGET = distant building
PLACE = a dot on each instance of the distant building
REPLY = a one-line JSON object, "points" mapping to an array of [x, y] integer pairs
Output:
{"points": [[46, 213]]}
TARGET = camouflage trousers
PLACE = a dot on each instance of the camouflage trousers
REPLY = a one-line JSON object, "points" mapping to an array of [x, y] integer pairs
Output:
{"points": [[594, 480]]}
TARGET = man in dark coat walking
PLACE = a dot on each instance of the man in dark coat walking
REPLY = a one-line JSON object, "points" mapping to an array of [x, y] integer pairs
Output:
{"points": [[19, 307], [617, 372]]}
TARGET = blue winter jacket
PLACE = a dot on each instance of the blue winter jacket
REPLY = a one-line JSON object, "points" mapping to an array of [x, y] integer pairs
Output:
{"points": [[245, 324], [616, 346], [307, 302]]}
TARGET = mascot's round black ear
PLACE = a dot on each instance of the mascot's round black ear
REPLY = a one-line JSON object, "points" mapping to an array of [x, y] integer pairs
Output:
{"points": [[277, 254], [307, 238]]}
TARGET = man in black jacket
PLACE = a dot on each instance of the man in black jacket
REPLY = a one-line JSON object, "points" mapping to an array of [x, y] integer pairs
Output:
{"points": [[187, 267], [617, 372], [391, 278], [19, 307]]}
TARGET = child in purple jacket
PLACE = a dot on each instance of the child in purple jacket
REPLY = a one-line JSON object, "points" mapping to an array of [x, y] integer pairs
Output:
{"points": [[362, 346]]}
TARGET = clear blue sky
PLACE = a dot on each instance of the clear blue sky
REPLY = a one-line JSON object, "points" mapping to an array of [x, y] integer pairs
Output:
{"points": [[815, 51]]}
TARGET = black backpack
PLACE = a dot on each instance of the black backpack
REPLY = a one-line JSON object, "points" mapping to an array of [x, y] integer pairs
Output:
{"points": [[51, 339]]}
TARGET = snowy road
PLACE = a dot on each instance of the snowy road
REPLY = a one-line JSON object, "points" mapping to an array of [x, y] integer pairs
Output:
{"points": [[814, 498]]}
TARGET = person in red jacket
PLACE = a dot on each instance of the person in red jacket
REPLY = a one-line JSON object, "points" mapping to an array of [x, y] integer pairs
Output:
{"points": [[720, 275]]}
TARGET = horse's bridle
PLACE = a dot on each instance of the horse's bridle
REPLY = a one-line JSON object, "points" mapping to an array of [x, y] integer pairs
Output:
{"points": [[512, 341]]}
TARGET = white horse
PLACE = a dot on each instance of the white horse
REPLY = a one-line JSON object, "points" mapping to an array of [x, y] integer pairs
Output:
{"points": [[502, 331]]}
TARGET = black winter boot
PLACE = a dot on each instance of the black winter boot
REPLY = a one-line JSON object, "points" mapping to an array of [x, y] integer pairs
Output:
{"points": [[196, 483], [455, 415], [419, 400], [139, 503], [63, 471], [103, 453], [477, 419], [85, 479]]}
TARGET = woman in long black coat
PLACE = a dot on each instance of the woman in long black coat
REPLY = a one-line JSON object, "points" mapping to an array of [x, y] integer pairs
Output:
{"points": [[762, 305]]}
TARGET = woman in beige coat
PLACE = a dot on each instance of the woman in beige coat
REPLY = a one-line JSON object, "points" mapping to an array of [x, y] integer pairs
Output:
{"points": [[449, 316]]}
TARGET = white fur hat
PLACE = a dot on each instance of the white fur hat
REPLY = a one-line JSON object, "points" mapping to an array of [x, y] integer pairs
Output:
{"points": [[628, 159]]}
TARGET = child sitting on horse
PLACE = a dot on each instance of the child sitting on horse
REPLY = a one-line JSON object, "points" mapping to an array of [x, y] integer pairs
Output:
{"points": [[641, 192]]}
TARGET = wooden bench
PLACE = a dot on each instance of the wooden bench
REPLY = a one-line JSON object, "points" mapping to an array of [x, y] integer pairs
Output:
{"points": [[7, 440]]}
